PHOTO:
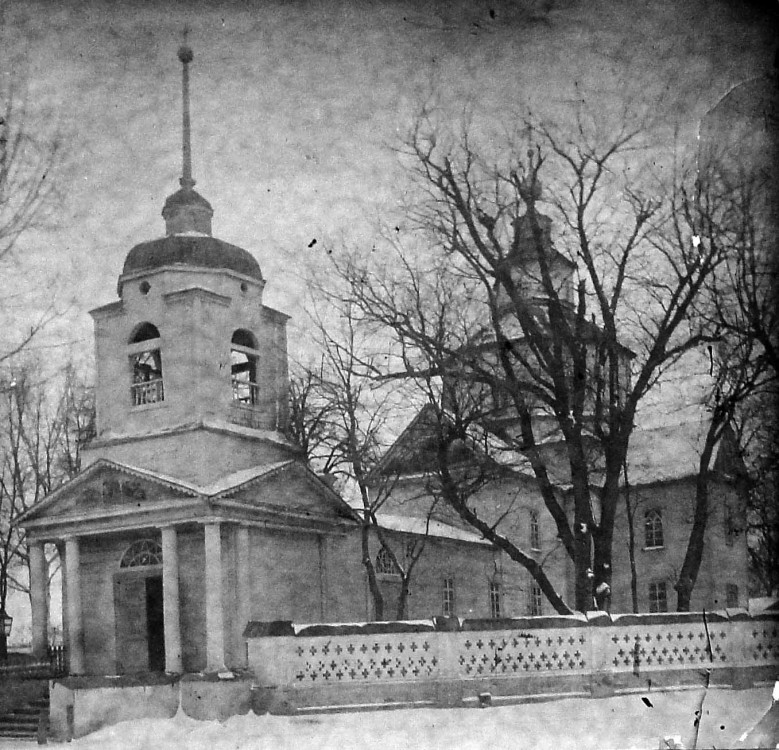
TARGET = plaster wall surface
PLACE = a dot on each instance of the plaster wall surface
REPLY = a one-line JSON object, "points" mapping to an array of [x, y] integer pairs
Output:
{"points": [[285, 581], [199, 456], [100, 558], [513, 501], [510, 504], [724, 557]]}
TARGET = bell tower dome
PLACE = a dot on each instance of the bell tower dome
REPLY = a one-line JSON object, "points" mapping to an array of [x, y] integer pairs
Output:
{"points": [[189, 349]]}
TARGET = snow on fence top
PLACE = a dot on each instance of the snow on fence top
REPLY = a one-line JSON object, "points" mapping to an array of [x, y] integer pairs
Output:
{"points": [[548, 648]]}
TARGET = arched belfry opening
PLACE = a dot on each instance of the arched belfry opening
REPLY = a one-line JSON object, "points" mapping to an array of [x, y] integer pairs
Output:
{"points": [[144, 332]]}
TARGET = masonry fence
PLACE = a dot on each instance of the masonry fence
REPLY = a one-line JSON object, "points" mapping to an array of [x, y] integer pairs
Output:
{"points": [[446, 661]]}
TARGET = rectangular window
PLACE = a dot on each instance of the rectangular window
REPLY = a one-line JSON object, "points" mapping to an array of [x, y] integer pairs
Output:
{"points": [[495, 608], [658, 598], [535, 532], [243, 369], [732, 596], [448, 603], [535, 600]]}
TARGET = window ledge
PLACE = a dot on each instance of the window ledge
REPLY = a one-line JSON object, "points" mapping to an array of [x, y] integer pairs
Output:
{"points": [[649, 549], [146, 407]]}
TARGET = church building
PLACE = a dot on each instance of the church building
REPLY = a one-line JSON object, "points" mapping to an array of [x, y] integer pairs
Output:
{"points": [[194, 514]]}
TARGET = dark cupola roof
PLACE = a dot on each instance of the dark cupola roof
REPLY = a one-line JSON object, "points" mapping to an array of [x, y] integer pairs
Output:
{"points": [[187, 215], [202, 251], [187, 211]]}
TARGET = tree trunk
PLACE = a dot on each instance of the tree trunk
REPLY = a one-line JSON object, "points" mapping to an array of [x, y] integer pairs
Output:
{"points": [[3, 594], [630, 511], [582, 567], [692, 560], [402, 611], [373, 583]]}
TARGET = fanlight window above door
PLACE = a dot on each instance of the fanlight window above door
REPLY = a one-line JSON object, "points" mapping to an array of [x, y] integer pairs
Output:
{"points": [[140, 553]]}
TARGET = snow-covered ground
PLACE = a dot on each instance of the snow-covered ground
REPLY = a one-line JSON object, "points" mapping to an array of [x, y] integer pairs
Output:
{"points": [[634, 721]]}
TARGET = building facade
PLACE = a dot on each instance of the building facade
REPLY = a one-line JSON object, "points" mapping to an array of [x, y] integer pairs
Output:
{"points": [[194, 514]]}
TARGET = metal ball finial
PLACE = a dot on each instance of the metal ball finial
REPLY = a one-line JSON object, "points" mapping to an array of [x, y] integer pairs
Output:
{"points": [[185, 54]]}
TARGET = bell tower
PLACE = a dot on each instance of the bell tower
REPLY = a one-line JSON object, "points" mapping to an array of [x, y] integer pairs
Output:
{"points": [[190, 362]]}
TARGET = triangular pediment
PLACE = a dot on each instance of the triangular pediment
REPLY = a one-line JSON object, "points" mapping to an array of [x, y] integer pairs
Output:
{"points": [[107, 486], [288, 487]]}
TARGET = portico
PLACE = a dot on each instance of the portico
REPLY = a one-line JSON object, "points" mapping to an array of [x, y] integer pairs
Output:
{"points": [[158, 573]]}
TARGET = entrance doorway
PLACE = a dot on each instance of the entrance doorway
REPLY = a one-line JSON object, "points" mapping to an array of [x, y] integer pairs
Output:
{"points": [[155, 624], [140, 624]]}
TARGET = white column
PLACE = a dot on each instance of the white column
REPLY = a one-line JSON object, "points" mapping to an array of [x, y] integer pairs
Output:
{"points": [[39, 579], [75, 624], [64, 586], [170, 601], [244, 587], [215, 637]]}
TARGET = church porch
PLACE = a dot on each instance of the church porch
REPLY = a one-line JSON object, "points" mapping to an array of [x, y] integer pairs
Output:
{"points": [[146, 599]]}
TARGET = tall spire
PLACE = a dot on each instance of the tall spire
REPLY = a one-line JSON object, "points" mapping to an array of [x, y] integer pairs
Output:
{"points": [[186, 211], [186, 57]]}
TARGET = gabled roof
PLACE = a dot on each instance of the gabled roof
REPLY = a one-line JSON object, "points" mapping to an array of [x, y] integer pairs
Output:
{"points": [[221, 489], [660, 454], [672, 451], [423, 527], [479, 441]]}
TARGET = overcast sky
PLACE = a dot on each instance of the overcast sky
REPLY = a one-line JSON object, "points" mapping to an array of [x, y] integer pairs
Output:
{"points": [[296, 106]]}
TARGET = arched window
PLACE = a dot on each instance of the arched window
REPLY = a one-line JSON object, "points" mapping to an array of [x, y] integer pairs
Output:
{"points": [[535, 532], [653, 529], [146, 364], [243, 367], [140, 553], [385, 565]]}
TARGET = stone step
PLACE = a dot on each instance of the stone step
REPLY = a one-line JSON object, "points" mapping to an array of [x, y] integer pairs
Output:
{"points": [[22, 722], [21, 714], [15, 722], [18, 729], [27, 710]]}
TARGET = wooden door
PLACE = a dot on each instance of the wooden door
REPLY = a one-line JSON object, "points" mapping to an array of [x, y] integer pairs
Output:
{"points": [[132, 646]]}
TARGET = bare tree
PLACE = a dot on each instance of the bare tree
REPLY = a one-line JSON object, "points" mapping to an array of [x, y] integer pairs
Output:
{"points": [[339, 419], [45, 423], [739, 377], [762, 458], [545, 323], [740, 306], [28, 165]]}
